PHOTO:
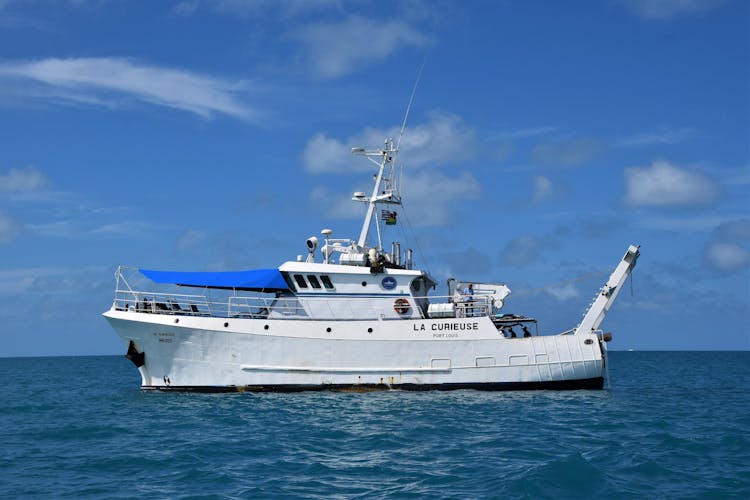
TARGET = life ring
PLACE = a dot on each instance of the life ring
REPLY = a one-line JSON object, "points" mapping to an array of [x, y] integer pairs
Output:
{"points": [[401, 306]]}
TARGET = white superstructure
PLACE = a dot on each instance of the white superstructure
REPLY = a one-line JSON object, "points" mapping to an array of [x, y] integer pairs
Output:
{"points": [[349, 316]]}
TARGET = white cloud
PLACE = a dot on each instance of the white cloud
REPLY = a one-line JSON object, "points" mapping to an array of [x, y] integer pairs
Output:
{"points": [[542, 188], [726, 257], [107, 81], [667, 9], [337, 49], [324, 154], [435, 199], [29, 185], [336, 204], [23, 180], [444, 139], [663, 184], [431, 198], [9, 228]]}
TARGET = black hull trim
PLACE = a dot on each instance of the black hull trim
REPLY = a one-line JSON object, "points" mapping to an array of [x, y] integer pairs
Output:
{"points": [[555, 385]]}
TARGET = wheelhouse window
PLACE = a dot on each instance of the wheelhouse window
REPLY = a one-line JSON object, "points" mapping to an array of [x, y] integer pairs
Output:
{"points": [[301, 283], [326, 281], [313, 280]]}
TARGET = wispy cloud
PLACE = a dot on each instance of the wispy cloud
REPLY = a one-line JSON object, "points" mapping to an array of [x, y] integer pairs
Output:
{"points": [[59, 214], [528, 248], [663, 184], [9, 228], [256, 8], [698, 223], [521, 251], [737, 230], [468, 264], [660, 136], [727, 250], [337, 49], [566, 152], [111, 81], [667, 9], [433, 196], [726, 257], [525, 133], [542, 188], [563, 292], [80, 225], [444, 139], [75, 280], [190, 239], [23, 180], [29, 185]]}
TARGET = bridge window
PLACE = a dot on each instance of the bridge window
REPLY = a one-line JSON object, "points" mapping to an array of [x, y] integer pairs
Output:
{"points": [[300, 281], [326, 281], [313, 280]]}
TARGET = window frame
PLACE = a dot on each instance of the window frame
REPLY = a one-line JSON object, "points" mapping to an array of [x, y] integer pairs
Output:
{"points": [[300, 280], [314, 282]]}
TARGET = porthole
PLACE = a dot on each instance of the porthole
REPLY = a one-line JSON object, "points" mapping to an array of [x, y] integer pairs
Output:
{"points": [[364, 283], [328, 329], [369, 330], [226, 325], [177, 320], [265, 327]]}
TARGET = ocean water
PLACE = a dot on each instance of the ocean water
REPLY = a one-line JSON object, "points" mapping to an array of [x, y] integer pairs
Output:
{"points": [[672, 424]]}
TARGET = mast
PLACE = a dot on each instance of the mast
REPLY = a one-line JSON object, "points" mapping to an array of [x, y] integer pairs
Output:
{"points": [[389, 194]]}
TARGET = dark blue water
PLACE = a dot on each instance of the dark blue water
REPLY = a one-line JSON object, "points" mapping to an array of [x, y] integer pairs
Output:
{"points": [[673, 424]]}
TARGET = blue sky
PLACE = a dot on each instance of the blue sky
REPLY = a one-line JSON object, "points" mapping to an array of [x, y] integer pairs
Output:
{"points": [[544, 138]]}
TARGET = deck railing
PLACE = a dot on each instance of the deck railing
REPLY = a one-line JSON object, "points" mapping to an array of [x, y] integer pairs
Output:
{"points": [[291, 307]]}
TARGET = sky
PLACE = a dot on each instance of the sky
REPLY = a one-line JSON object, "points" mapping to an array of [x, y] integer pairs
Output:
{"points": [[543, 139]]}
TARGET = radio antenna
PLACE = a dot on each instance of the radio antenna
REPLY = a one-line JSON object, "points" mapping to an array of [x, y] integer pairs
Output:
{"points": [[408, 108]]}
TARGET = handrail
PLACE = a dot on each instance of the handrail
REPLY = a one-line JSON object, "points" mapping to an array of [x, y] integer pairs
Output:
{"points": [[293, 307], [327, 306]]}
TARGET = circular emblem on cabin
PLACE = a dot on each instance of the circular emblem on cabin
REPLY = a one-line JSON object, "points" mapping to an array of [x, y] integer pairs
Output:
{"points": [[389, 283]]}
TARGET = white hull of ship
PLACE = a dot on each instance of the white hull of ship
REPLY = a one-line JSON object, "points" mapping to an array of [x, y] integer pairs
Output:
{"points": [[223, 354]]}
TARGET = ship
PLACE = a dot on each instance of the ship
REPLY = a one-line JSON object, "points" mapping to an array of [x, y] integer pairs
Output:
{"points": [[350, 316]]}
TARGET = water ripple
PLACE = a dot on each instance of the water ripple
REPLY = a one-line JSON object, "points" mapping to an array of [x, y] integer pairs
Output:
{"points": [[672, 425]]}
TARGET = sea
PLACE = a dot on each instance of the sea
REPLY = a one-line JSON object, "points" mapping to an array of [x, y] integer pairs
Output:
{"points": [[670, 425]]}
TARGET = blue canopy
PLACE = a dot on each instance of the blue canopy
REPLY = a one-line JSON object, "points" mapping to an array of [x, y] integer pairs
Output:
{"points": [[268, 280]]}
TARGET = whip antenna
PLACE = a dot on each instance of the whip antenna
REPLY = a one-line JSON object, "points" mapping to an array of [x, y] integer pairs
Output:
{"points": [[408, 108]]}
